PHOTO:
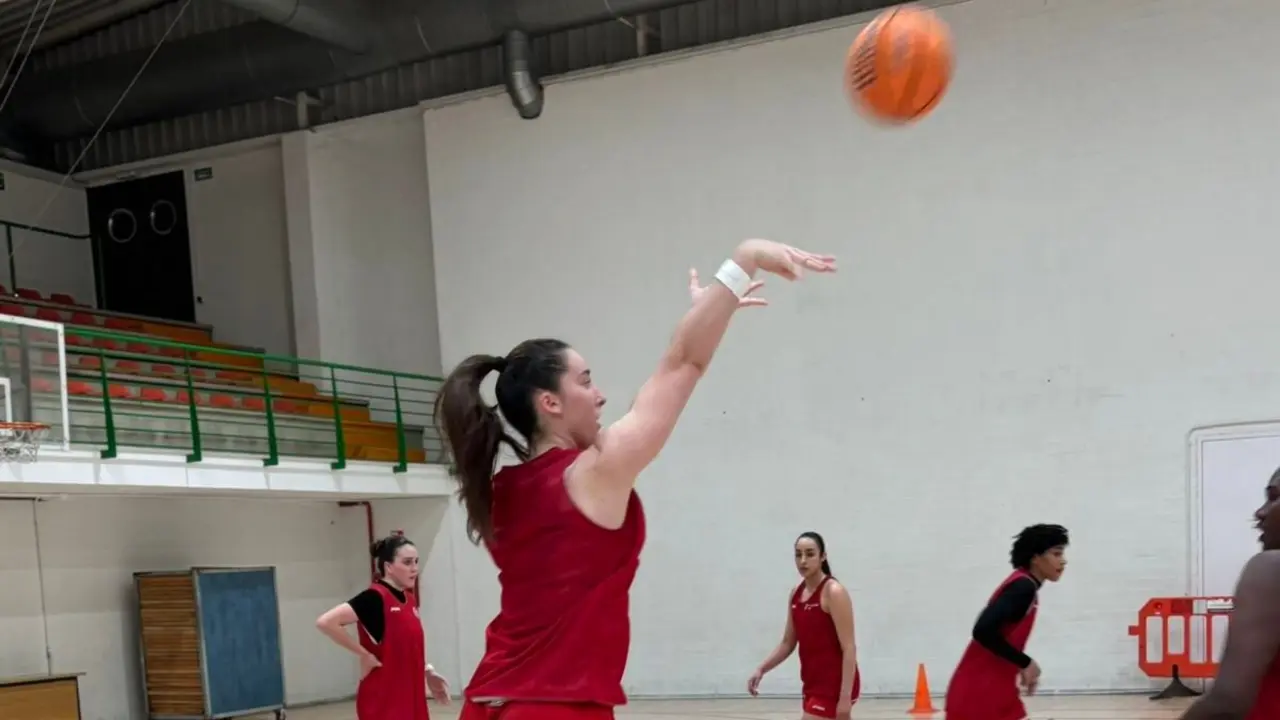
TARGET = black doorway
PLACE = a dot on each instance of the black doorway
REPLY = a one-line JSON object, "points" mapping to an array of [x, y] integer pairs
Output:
{"points": [[141, 247]]}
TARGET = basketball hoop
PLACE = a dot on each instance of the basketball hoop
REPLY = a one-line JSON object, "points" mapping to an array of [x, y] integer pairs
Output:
{"points": [[20, 441]]}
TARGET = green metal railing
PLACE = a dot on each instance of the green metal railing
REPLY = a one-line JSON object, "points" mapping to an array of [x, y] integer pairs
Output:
{"points": [[133, 390]]}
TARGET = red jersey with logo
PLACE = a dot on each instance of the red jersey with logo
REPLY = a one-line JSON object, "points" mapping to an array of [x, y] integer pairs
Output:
{"points": [[821, 657], [1267, 706], [563, 629], [398, 689], [984, 685]]}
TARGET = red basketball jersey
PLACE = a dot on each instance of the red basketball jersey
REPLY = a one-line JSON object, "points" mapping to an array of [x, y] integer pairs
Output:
{"points": [[984, 686], [563, 629], [821, 658], [1267, 706], [398, 689]]}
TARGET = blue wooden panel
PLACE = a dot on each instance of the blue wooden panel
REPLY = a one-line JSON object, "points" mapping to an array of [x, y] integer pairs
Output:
{"points": [[240, 627]]}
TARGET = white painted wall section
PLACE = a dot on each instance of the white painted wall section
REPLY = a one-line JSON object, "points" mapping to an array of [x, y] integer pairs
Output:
{"points": [[360, 225], [90, 547], [1046, 285], [48, 263], [240, 258]]}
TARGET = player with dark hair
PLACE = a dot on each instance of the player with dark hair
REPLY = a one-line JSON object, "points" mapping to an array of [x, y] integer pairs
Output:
{"points": [[820, 623], [565, 526], [394, 674], [1248, 682], [985, 683]]}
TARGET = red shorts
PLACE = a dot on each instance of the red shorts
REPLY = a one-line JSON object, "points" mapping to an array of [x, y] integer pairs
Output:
{"points": [[822, 707], [534, 711]]}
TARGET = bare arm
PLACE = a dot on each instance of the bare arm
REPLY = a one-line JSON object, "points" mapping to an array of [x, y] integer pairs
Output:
{"points": [[334, 624], [601, 479], [785, 647], [630, 444], [840, 607], [1253, 643]]}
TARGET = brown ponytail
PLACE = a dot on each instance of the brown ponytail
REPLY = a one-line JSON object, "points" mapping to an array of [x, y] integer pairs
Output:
{"points": [[472, 432]]}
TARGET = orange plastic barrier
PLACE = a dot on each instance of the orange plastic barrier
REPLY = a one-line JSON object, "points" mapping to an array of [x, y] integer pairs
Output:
{"points": [[1180, 638]]}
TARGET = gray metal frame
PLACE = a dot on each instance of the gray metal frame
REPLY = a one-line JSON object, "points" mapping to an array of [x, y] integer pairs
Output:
{"points": [[204, 666]]}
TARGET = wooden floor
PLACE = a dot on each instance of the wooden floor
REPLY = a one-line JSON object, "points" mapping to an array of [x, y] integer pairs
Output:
{"points": [[1086, 707]]}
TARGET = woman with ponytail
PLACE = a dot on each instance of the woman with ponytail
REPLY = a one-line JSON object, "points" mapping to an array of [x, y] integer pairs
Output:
{"points": [[820, 623], [564, 525], [394, 675]]}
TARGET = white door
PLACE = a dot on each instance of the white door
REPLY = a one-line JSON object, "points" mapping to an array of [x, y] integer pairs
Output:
{"points": [[1233, 476]]}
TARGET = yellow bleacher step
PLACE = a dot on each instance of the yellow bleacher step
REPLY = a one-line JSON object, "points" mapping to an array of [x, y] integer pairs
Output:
{"points": [[383, 454]]}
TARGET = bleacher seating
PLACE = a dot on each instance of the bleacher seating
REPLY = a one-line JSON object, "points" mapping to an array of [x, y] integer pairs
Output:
{"points": [[150, 379]]}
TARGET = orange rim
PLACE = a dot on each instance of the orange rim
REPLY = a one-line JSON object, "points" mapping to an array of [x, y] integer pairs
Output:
{"points": [[23, 426]]}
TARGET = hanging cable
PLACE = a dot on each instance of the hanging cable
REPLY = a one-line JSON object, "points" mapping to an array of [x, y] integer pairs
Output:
{"points": [[27, 56], [53, 195], [17, 49]]}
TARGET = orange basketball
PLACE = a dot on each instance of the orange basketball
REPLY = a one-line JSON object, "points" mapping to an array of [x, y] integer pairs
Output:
{"points": [[899, 66]]}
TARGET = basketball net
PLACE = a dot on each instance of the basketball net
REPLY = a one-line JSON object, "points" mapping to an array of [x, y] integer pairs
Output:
{"points": [[20, 441]]}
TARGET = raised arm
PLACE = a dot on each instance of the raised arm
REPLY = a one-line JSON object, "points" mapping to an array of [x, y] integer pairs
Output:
{"points": [[629, 445], [1253, 643], [778, 655]]}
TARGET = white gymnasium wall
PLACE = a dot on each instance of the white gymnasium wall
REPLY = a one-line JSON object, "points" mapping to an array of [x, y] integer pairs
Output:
{"points": [[369, 242], [45, 262], [1045, 286], [89, 549], [460, 586], [239, 252]]}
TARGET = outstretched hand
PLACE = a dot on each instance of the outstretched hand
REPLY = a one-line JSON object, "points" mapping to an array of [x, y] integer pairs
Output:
{"points": [[785, 261], [696, 289]]}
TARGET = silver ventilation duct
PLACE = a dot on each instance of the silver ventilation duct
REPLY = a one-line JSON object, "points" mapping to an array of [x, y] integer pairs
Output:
{"points": [[522, 84], [346, 24], [264, 59]]}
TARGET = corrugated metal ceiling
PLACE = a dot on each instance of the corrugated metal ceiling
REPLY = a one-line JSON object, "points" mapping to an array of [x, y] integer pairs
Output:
{"points": [[696, 24], [61, 19], [142, 31]]}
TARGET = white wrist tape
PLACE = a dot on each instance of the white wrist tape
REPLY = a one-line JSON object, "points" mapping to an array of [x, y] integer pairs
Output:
{"points": [[732, 276]]}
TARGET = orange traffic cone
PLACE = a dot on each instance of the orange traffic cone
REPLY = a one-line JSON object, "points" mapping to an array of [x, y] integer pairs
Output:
{"points": [[924, 702]]}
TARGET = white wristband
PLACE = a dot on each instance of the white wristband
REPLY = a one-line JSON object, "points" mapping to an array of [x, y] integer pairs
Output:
{"points": [[732, 276]]}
